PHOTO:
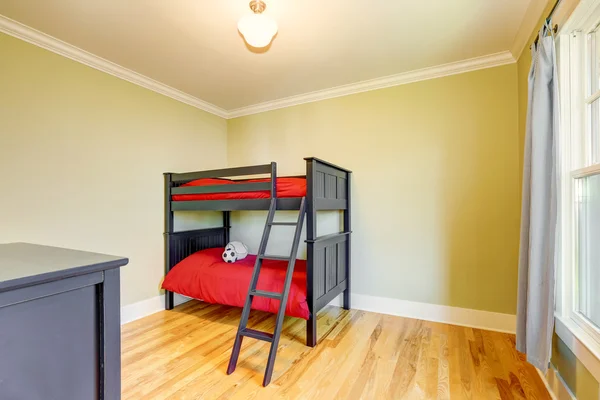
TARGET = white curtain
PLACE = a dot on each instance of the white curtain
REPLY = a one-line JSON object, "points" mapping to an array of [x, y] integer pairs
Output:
{"points": [[535, 311]]}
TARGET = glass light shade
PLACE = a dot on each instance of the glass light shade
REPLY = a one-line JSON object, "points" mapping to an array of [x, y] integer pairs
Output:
{"points": [[258, 29]]}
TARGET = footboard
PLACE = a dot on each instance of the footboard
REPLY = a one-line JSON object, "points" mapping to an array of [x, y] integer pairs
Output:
{"points": [[328, 256], [330, 267]]}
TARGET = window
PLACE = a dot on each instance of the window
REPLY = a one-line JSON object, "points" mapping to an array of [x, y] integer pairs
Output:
{"points": [[579, 205], [588, 248]]}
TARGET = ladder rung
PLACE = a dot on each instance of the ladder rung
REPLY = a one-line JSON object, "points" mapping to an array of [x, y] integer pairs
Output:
{"points": [[261, 293], [267, 337], [268, 257], [284, 223]]}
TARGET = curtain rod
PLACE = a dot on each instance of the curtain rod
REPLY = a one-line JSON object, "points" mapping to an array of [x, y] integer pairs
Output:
{"points": [[548, 18], [554, 9]]}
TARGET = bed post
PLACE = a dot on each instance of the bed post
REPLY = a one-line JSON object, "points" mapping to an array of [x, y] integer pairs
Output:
{"points": [[273, 179], [311, 234], [227, 225], [348, 228], [169, 301]]}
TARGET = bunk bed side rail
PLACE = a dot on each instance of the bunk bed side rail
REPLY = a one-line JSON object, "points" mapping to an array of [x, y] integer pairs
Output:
{"points": [[240, 187], [283, 203], [174, 187], [224, 173]]}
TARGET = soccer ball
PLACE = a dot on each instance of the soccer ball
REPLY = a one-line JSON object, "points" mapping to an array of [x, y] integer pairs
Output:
{"points": [[234, 251], [229, 255]]}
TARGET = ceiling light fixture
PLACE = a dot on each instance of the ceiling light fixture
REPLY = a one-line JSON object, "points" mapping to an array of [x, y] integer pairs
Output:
{"points": [[258, 29]]}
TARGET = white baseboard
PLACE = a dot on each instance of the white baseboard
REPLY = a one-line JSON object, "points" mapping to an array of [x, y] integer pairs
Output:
{"points": [[409, 309], [556, 386], [147, 307], [433, 312]]}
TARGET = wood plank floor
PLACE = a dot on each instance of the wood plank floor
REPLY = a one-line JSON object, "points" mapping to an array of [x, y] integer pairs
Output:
{"points": [[183, 354]]}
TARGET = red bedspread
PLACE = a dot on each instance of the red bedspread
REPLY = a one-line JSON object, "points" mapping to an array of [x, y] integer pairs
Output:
{"points": [[205, 276], [286, 187]]}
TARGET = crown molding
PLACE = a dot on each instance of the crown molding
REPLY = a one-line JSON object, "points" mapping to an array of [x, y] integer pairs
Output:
{"points": [[459, 67], [40, 39]]}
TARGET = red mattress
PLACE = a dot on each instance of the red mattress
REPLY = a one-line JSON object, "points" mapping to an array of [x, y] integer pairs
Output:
{"points": [[205, 276], [286, 187]]}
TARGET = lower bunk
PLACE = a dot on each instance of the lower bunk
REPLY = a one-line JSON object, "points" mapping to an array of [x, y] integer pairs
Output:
{"points": [[205, 276], [195, 269]]}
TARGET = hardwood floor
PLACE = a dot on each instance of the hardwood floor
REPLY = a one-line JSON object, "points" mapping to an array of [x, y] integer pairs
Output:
{"points": [[183, 354]]}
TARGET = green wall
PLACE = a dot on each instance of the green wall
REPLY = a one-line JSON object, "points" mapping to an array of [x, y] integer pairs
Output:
{"points": [[436, 182], [82, 155]]}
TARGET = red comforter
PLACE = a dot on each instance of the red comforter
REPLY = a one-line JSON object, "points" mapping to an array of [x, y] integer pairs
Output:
{"points": [[286, 187], [205, 276]]}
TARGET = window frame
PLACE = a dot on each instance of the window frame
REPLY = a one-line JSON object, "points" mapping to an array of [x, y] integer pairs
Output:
{"points": [[576, 162]]}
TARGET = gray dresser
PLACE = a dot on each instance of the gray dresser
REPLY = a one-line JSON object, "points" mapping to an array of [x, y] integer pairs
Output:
{"points": [[59, 324]]}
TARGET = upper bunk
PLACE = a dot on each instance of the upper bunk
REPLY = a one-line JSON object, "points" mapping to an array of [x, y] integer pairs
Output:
{"points": [[325, 187]]}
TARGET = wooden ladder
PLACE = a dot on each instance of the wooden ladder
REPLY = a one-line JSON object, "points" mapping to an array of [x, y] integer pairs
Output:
{"points": [[243, 330]]}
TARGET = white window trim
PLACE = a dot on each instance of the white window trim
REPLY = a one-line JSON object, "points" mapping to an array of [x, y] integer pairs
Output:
{"points": [[581, 337]]}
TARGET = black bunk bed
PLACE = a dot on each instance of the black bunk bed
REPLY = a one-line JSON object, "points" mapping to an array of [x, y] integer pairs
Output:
{"points": [[328, 256]]}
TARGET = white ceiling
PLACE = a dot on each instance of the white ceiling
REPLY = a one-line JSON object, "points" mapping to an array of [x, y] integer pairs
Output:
{"points": [[194, 46]]}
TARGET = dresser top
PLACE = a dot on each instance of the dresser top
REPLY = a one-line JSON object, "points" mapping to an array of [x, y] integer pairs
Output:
{"points": [[25, 264]]}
